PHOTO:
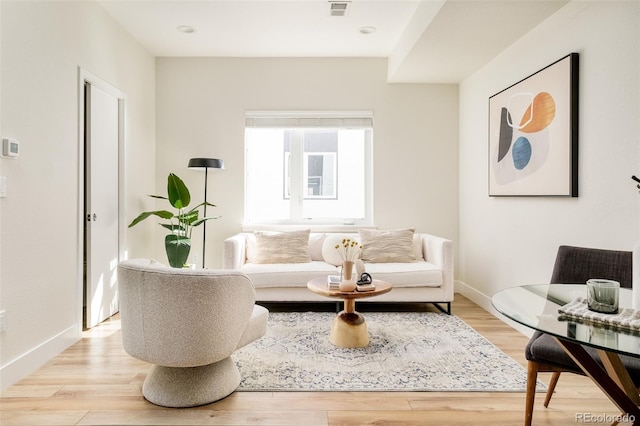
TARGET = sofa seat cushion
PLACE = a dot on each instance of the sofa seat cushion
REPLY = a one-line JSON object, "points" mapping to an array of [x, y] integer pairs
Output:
{"points": [[286, 274], [414, 274]]}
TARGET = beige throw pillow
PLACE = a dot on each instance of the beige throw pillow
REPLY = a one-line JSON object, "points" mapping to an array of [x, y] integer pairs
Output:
{"points": [[387, 246], [282, 247]]}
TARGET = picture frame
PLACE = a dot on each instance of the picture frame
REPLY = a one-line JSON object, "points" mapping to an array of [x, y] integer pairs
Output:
{"points": [[533, 134]]}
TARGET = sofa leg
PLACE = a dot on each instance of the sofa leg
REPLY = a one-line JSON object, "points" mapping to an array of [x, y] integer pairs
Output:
{"points": [[446, 310]]}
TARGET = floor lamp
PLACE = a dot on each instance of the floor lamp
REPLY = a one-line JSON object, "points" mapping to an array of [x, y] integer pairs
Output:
{"points": [[206, 164]]}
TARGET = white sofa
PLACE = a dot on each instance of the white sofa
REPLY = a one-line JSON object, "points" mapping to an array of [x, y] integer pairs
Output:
{"points": [[429, 279]]}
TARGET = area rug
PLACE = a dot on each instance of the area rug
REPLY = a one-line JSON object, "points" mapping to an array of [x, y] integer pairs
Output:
{"points": [[408, 351]]}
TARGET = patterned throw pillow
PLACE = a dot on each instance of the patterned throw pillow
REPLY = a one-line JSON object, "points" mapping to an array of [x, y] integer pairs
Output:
{"points": [[282, 247], [387, 246]]}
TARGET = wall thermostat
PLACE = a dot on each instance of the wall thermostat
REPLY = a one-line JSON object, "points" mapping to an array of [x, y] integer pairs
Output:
{"points": [[10, 147]]}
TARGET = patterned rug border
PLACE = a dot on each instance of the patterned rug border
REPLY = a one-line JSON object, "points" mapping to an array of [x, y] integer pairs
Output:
{"points": [[301, 359]]}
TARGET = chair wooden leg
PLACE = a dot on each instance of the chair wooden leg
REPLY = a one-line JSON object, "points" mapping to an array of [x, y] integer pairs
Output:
{"points": [[532, 378], [552, 386]]}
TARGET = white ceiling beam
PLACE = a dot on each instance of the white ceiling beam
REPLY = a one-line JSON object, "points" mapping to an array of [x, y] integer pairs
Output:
{"points": [[422, 18]]}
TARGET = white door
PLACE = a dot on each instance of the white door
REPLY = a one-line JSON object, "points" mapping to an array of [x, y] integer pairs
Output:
{"points": [[102, 133]]}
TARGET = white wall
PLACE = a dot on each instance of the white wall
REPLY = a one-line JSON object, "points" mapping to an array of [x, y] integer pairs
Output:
{"points": [[43, 44], [200, 113], [1, 168], [511, 241]]}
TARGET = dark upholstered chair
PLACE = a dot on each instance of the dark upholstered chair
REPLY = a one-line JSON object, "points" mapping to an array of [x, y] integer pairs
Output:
{"points": [[575, 265]]}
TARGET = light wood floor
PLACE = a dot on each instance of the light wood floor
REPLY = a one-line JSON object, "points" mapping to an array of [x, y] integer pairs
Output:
{"points": [[96, 383]]}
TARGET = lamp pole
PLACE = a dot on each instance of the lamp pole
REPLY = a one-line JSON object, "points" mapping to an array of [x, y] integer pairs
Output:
{"points": [[204, 224], [206, 164]]}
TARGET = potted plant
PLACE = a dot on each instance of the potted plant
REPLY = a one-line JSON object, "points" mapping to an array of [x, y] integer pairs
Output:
{"points": [[178, 242]]}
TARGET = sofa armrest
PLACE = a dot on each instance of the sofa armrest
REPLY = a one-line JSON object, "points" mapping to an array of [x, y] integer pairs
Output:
{"points": [[234, 252], [439, 251]]}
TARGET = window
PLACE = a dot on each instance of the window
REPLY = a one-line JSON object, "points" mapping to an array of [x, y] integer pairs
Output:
{"points": [[319, 163], [311, 168], [320, 173]]}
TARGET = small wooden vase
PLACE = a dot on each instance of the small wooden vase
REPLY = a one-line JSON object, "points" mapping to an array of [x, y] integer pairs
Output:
{"points": [[347, 283]]}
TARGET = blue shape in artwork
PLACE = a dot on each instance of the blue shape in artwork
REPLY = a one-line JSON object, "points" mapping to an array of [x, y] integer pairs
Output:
{"points": [[521, 152]]}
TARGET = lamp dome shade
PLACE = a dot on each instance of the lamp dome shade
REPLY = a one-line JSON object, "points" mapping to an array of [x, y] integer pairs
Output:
{"points": [[212, 163]]}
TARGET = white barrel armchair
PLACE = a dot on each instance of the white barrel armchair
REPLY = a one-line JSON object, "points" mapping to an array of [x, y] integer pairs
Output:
{"points": [[187, 323]]}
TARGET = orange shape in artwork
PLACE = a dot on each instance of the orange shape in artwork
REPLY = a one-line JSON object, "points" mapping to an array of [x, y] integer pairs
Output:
{"points": [[544, 111]]}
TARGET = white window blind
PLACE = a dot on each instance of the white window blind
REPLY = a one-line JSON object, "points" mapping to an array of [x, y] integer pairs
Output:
{"points": [[310, 120]]}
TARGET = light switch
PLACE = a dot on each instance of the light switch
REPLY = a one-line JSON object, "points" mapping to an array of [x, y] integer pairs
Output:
{"points": [[3, 186]]}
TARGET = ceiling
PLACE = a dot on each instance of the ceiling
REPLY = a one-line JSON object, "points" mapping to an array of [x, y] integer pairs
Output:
{"points": [[432, 41]]}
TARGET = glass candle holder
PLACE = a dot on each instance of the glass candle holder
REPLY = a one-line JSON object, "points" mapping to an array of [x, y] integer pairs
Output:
{"points": [[602, 295]]}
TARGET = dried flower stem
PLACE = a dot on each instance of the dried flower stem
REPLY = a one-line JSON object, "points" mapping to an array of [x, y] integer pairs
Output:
{"points": [[349, 250]]}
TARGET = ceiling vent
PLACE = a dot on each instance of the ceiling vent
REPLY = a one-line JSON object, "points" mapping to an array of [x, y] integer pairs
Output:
{"points": [[339, 8]]}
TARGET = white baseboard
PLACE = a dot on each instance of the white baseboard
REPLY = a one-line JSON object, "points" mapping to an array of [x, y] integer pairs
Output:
{"points": [[30, 361], [484, 302]]}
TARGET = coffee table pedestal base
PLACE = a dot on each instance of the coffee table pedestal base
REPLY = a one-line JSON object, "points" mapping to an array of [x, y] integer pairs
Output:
{"points": [[349, 330]]}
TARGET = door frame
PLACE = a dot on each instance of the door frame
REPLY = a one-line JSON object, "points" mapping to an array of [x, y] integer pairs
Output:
{"points": [[85, 76]]}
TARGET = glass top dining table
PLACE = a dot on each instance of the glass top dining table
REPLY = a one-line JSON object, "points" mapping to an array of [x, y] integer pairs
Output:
{"points": [[536, 306]]}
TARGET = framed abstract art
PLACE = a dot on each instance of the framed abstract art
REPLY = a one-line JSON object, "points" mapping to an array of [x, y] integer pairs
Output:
{"points": [[533, 134]]}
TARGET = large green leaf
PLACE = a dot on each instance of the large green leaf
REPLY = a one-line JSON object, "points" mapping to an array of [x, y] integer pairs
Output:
{"points": [[176, 229], [178, 249], [189, 217], [204, 219], [205, 203], [164, 214], [177, 191]]}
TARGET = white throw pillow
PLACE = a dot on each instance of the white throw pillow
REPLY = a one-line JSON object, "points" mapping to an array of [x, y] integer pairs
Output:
{"points": [[315, 246], [251, 250], [387, 246], [329, 252], [282, 247], [417, 246]]}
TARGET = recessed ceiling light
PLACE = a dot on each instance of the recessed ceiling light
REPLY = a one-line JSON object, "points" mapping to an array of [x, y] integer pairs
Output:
{"points": [[186, 29], [368, 30]]}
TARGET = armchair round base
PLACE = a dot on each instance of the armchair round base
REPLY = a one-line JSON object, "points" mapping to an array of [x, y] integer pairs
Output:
{"points": [[181, 387]]}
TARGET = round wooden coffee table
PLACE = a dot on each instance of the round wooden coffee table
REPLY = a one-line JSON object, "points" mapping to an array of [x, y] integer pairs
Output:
{"points": [[349, 329]]}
